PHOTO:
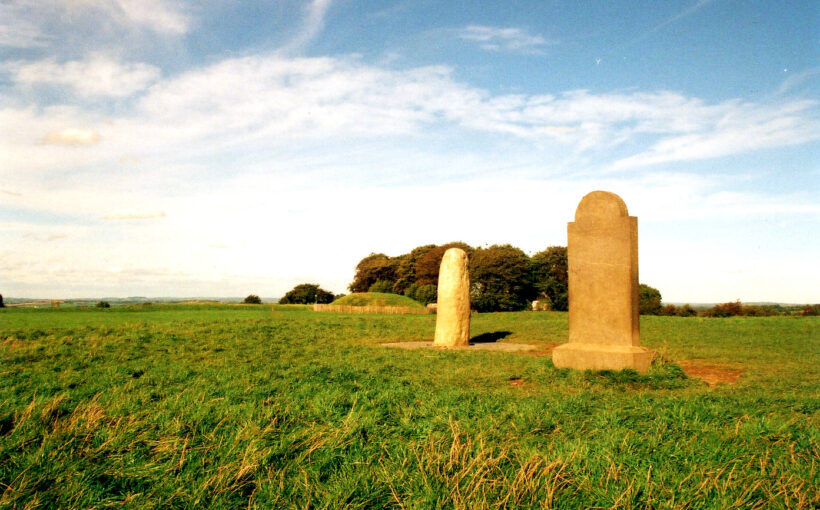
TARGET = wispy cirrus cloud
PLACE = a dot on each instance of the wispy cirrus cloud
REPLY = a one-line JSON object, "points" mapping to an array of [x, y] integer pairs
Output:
{"points": [[158, 15], [504, 39], [740, 128], [97, 75], [692, 9], [30, 23], [313, 24], [268, 101]]}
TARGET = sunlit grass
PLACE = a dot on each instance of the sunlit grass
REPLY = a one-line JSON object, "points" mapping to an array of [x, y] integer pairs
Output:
{"points": [[270, 406]]}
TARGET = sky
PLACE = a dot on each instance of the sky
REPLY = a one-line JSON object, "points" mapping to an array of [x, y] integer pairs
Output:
{"points": [[215, 148]]}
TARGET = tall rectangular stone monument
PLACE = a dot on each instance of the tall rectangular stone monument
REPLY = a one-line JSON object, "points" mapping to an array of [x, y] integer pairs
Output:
{"points": [[602, 253]]}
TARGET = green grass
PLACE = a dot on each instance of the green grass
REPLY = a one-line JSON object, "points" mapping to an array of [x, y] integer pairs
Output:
{"points": [[269, 407], [377, 299]]}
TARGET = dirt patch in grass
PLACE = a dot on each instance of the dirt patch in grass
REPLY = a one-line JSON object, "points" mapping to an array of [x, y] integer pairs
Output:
{"points": [[517, 382], [486, 346], [710, 373]]}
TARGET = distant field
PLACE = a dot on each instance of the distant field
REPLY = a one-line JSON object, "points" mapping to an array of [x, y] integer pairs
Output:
{"points": [[228, 406]]}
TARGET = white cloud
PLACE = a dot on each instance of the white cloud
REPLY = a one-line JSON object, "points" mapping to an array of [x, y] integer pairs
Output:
{"points": [[267, 102], [504, 38], [97, 75], [333, 97]]}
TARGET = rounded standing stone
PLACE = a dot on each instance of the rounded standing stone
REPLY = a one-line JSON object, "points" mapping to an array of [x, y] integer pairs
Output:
{"points": [[453, 314]]}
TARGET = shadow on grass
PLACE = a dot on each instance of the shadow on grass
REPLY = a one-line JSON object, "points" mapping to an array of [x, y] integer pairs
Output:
{"points": [[486, 338]]}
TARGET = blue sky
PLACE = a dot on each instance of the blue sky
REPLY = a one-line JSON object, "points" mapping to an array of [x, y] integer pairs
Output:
{"points": [[173, 148]]}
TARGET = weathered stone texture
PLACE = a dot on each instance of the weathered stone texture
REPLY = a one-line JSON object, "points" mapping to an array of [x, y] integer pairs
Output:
{"points": [[453, 314], [602, 252]]}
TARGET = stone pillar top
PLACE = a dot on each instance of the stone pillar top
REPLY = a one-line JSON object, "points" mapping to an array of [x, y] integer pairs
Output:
{"points": [[600, 205]]}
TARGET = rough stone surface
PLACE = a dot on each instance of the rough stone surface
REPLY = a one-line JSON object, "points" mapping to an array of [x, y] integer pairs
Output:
{"points": [[602, 252], [453, 310]]}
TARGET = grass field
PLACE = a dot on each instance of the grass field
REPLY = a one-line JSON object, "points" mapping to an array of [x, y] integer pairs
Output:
{"points": [[377, 299], [277, 406]]}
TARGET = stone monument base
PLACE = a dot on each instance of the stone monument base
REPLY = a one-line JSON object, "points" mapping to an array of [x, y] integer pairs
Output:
{"points": [[602, 357]]}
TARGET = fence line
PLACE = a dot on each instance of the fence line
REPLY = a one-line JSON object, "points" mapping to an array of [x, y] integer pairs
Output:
{"points": [[393, 310]]}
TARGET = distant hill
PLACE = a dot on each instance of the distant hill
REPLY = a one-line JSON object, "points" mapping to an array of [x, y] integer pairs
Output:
{"points": [[377, 299]]}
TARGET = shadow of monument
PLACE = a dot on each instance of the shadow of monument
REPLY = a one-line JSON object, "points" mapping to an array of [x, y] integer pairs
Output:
{"points": [[486, 338]]}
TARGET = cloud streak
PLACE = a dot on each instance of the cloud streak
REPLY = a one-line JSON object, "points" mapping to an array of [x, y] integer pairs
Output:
{"points": [[324, 97], [673, 19], [97, 75], [30, 23], [504, 38], [313, 24]]}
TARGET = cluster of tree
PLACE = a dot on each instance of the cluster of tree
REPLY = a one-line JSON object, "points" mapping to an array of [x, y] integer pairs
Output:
{"points": [[678, 311], [649, 300], [1, 301], [103, 304], [808, 310], [650, 304], [252, 299], [502, 277], [307, 294], [738, 309]]}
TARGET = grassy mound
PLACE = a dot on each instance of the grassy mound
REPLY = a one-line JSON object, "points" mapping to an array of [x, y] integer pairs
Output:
{"points": [[377, 299]]}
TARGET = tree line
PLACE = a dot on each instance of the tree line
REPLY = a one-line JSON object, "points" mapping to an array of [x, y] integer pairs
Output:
{"points": [[502, 277]]}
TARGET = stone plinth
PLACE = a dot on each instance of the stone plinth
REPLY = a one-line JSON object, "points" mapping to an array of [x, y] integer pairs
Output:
{"points": [[453, 310], [602, 253]]}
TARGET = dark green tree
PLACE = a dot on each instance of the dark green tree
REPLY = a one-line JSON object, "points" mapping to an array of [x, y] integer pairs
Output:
{"points": [[428, 265], [406, 268], [103, 304], [306, 294], [426, 294], [550, 277], [1, 301], [252, 299], [383, 286], [410, 291], [649, 300], [501, 279], [686, 311], [374, 267], [730, 309]]}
